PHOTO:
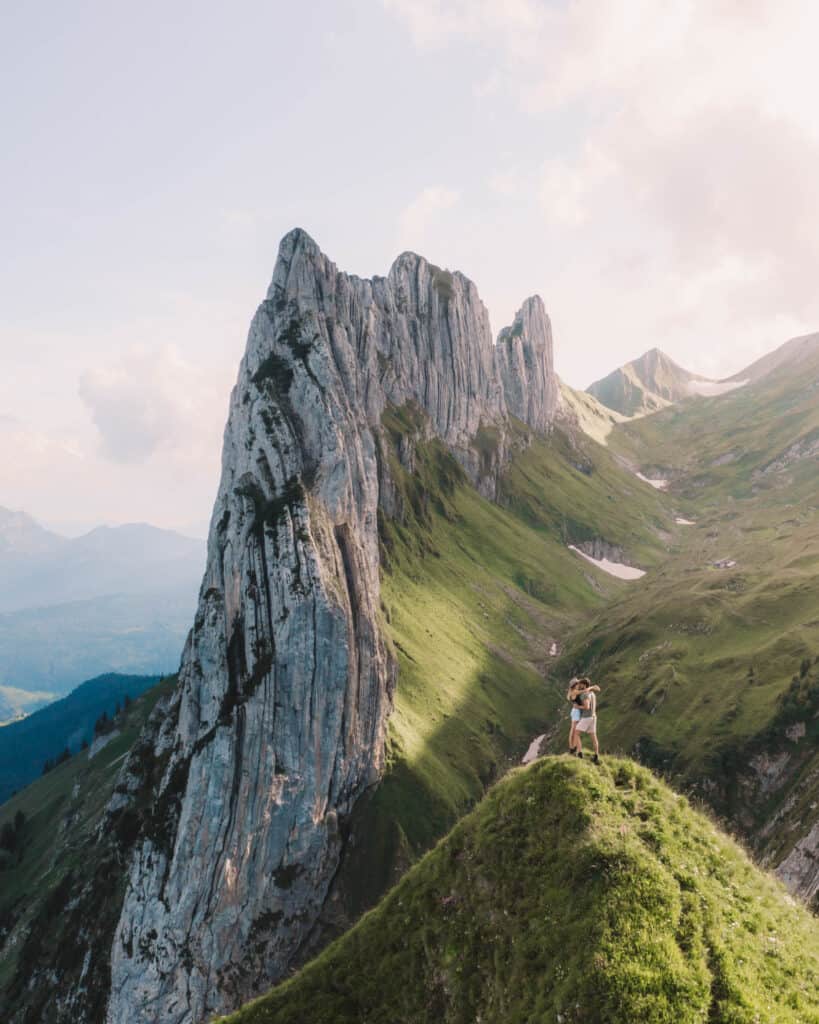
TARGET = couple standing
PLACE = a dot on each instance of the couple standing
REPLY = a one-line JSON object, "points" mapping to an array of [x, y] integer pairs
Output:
{"points": [[582, 695]]}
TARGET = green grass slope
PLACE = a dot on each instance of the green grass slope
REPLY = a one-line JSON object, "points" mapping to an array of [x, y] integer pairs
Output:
{"points": [[25, 745], [61, 811], [709, 673], [474, 595], [572, 893], [759, 441]]}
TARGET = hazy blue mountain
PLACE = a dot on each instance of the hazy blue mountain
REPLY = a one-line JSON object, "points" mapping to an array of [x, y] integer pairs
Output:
{"points": [[55, 649], [26, 745], [21, 538], [115, 599], [39, 568]]}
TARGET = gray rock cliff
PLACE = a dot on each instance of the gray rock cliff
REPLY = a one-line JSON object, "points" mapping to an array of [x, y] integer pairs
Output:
{"points": [[277, 725], [526, 367]]}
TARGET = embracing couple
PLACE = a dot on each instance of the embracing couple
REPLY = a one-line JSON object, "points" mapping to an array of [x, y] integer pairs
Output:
{"points": [[582, 695]]}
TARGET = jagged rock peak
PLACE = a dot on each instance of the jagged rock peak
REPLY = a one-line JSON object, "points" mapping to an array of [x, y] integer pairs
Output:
{"points": [[422, 334], [277, 726], [526, 366]]}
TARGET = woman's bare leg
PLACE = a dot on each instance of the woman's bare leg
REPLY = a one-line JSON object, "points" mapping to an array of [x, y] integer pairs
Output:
{"points": [[572, 736]]}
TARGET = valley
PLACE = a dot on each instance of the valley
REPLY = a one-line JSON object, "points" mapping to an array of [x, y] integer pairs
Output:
{"points": [[420, 535]]}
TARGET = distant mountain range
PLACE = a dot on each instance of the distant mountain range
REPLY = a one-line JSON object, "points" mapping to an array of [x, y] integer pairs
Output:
{"points": [[40, 569], [655, 381], [117, 598]]}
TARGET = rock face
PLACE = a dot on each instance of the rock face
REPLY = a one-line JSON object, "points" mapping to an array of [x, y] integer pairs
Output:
{"points": [[277, 725], [526, 366], [800, 869]]}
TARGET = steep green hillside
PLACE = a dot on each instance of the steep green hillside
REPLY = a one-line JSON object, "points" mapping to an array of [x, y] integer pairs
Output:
{"points": [[66, 723], [478, 598], [572, 893], [59, 813], [708, 671], [761, 440]]}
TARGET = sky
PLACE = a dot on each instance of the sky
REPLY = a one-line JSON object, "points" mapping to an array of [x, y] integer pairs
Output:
{"points": [[648, 169]]}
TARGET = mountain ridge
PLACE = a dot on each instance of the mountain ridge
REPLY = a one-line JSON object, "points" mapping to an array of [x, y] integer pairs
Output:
{"points": [[62, 724], [653, 381], [114, 598], [792, 351], [650, 382], [289, 610], [49, 569], [390, 579], [572, 893]]}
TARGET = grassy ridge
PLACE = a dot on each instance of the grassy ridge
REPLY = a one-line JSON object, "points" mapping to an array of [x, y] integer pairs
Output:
{"points": [[474, 595], [730, 447], [571, 894], [25, 745], [699, 663], [62, 810]]}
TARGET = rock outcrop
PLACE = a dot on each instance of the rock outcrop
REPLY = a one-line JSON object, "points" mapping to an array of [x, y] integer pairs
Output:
{"points": [[526, 368], [277, 725], [800, 869]]}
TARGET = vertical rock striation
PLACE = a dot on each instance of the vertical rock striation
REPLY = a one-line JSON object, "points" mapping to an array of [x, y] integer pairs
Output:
{"points": [[800, 869], [277, 725], [526, 366]]}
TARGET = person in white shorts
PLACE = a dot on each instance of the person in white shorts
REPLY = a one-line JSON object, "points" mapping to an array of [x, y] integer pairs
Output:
{"points": [[586, 700]]}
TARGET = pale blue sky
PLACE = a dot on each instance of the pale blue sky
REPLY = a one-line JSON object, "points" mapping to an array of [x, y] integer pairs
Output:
{"points": [[650, 174]]}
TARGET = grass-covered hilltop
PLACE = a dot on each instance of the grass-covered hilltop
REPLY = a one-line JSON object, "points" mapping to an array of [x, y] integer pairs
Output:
{"points": [[572, 893]]}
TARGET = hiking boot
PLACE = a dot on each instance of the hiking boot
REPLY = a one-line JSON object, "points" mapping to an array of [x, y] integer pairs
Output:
{"points": [[596, 759], [580, 754], [572, 752]]}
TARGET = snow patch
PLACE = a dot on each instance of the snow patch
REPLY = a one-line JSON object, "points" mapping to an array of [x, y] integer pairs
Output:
{"points": [[101, 742], [618, 569], [533, 753], [658, 483], [711, 388]]}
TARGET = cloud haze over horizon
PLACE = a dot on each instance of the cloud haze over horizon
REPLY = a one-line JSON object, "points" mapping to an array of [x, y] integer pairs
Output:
{"points": [[649, 170]]}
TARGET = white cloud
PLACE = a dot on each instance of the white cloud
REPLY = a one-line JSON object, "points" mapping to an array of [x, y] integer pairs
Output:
{"points": [[31, 451], [566, 188], [419, 216], [433, 23], [685, 185], [151, 400]]}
